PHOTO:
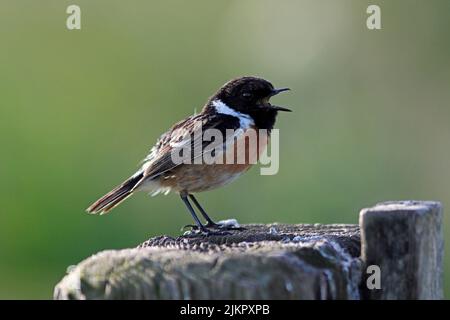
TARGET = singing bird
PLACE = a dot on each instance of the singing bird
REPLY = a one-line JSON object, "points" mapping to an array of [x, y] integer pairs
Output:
{"points": [[241, 104]]}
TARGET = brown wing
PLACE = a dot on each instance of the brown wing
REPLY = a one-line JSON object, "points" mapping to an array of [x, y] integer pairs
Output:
{"points": [[184, 132]]}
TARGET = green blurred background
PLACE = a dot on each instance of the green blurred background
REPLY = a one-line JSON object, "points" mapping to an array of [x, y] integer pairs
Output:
{"points": [[79, 109]]}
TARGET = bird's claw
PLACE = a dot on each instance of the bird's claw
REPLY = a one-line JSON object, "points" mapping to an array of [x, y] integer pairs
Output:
{"points": [[207, 230], [219, 226], [191, 226]]}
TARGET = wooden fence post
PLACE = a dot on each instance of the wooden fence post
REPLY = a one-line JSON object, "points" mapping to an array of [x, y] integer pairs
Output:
{"points": [[405, 240], [402, 240]]}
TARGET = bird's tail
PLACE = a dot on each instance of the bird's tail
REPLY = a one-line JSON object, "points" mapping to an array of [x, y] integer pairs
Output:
{"points": [[113, 198]]}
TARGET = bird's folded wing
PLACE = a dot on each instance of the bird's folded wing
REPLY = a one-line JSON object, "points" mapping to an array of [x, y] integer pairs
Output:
{"points": [[189, 131]]}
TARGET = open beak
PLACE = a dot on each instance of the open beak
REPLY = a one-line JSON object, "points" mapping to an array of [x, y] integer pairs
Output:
{"points": [[280, 108], [274, 93], [277, 91]]}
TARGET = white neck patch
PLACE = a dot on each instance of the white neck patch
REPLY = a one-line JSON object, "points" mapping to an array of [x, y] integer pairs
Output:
{"points": [[245, 120]]}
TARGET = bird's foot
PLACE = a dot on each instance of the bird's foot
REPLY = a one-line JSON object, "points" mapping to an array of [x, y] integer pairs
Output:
{"points": [[189, 226], [218, 226], [204, 231]]}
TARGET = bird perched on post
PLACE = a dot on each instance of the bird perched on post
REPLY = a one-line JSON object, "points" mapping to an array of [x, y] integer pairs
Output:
{"points": [[241, 105]]}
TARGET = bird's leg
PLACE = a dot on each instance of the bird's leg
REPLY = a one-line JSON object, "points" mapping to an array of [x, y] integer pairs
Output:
{"points": [[200, 226], [210, 223]]}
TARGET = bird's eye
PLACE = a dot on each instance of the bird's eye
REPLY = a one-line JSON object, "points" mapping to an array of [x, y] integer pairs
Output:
{"points": [[247, 95]]}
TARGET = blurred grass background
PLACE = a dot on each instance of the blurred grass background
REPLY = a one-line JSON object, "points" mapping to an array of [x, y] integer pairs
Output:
{"points": [[79, 109]]}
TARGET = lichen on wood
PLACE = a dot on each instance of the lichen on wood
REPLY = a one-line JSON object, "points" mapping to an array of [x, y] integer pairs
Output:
{"points": [[262, 262], [404, 239]]}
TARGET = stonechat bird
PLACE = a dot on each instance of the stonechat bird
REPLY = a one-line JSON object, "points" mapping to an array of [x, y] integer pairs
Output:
{"points": [[240, 105]]}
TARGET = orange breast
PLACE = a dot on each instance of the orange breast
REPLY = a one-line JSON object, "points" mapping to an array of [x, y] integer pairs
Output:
{"points": [[244, 152]]}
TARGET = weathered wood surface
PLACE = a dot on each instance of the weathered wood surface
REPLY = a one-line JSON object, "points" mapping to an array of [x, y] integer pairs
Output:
{"points": [[405, 240], [277, 261], [264, 262]]}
